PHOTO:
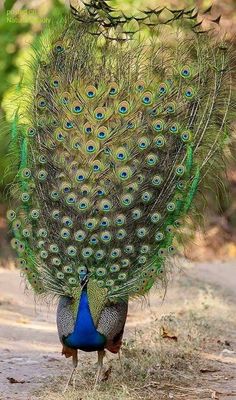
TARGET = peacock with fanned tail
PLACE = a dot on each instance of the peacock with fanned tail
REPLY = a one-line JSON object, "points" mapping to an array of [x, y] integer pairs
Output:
{"points": [[115, 134]]}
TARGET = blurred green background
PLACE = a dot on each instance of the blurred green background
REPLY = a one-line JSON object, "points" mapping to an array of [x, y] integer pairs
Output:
{"points": [[18, 33]]}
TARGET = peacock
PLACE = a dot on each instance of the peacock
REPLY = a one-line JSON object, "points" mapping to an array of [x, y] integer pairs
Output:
{"points": [[120, 124]]}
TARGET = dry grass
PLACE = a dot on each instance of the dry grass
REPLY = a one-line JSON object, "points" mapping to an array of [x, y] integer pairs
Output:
{"points": [[168, 358]]}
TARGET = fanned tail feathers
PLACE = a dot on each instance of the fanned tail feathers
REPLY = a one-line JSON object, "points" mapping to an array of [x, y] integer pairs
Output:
{"points": [[118, 139]]}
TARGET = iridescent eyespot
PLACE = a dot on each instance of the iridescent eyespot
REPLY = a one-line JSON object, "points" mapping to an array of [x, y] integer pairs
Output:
{"points": [[105, 205], [93, 240], [80, 175], [100, 254], [59, 48], [91, 92], [83, 204], [115, 253], [71, 251], [126, 200], [65, 233], [136, 214], [56, 214], [105, 222], [26, 173], [155, 218], [152, 159], [43, 254], [55, 83], [171, 206], [87, 252], [90, 223], [31, 132], [42, 102], [142, 260], [143, 143], [186, 136], [100, 113], [129, 249], [65, 187], [174, 128], [162, 253], [55, 195], [170, 109], [142, 232], [115, 268], [100, 192], [125, 262], [68, 125], [106, 236], [124, 173], [42, 233], [68, 269], [185, 72], [140, 86], [159, 141], [181, 185], [67, 221], [171, 250], [121, 154], [80, 236], [11, 215], [91, 146], [170, 229], [144, 249], [42, 159], [121, 234], [77, 108], [163, 89], [102, 133], [159, 236], [123, 108], [189, 93], [53, 248], [180, 170], [88, 129], [158, 125], [65, 99], [16, 224], [147, 98], [71, 199], [42, 175], [122, 276], [35, 214], [146, 196], [113, 89], [25, 197], [101, 272], [157, 180], [59, 135]]}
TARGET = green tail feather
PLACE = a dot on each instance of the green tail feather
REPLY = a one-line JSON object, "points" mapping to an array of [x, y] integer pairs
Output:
{"points": [[120, 136]]}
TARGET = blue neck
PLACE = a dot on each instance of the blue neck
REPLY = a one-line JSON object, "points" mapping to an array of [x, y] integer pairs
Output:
{"points": [[85, 336]]}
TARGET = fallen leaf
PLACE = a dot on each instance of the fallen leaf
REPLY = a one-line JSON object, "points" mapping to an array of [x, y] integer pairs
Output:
{"points": [[106, 374], [167, 335], [13, 380], [208, 370]]}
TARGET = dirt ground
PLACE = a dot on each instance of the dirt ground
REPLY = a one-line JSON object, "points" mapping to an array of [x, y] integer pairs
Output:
{"points": [[182, 348]]}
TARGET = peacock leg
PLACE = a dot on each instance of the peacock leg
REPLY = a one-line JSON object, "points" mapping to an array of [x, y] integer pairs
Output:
{"points": [[121, 364], [101, 355], [75, 363]]}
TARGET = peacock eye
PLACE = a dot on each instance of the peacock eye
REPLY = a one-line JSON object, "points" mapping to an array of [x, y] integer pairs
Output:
{"points": [[99, 113], [11, 215], [123, 107], [25, 197], [69, 125], [159, 236], [26, 173], [91, 92], [158, 126], [59, 48], [31, 132], [180, 170], [159, 141], [185, 72], [42, 103], [147, 99], [157, 180], [189, 93], [174, 128], [77, 109]]}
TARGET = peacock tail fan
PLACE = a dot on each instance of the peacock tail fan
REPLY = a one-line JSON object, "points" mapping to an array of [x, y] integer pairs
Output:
{"points": [[115, 133]]}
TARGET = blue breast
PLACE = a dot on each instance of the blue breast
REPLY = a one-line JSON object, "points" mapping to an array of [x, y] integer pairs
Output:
{"points": [[85, 336]]}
